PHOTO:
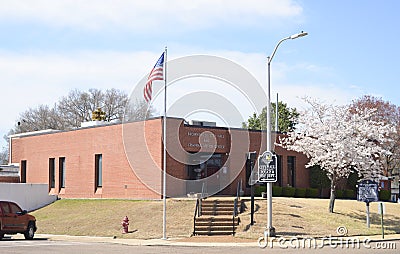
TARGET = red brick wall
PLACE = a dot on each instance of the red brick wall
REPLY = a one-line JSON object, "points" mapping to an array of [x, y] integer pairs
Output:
{"points": [[79, 148], [9, 179], [224, 139]]}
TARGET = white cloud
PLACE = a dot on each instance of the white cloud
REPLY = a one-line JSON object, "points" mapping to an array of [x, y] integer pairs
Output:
{"points": [[145, 15]]}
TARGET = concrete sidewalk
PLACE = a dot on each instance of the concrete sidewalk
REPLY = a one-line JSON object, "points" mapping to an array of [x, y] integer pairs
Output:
{"points": [[196, 242], [138, 242]]}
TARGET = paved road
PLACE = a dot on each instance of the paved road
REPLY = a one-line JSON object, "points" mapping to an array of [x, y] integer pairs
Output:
{"points": [[63, 247]]}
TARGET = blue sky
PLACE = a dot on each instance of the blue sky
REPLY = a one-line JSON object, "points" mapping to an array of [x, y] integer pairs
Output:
{"points": [[48, 48]]}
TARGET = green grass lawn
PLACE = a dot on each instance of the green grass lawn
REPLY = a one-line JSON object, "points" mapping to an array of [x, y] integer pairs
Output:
{"points": [[291, 216]]}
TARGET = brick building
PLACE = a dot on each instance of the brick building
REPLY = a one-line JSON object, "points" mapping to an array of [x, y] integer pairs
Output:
{"points": [[9, 174], [125, 160]]}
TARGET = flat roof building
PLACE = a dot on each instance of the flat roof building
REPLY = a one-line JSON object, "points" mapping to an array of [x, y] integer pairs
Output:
{"points": [[124, 160]]}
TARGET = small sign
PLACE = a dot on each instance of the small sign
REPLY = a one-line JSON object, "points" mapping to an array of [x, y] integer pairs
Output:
{"points": [[367, 191], [267, 168]]}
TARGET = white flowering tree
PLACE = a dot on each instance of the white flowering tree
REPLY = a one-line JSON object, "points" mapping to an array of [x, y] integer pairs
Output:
{"points": [[340, 141]]}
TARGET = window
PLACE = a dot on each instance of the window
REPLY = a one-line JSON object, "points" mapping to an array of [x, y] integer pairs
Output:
{"points": [[291, 166], [5, 207], [98, 170], [52, 173], [279, 169], [203, 165], [23, 171], [14, 208], [61, 171]]}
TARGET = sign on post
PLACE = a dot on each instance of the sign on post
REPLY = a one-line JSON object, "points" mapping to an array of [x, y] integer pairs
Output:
{"points": [[367, 191], [267, 168]]}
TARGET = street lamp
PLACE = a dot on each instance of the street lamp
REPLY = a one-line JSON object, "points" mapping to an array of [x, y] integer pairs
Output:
{"points": [[270, 229]]}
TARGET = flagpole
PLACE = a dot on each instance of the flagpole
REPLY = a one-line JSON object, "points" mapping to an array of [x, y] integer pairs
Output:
{"points": [[165, 150]]}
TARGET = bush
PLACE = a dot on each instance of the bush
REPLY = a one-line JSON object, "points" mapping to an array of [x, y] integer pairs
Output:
{"points": [[384, 195], [311, 193], [276, 191], [349, 194], [318, 178], [300, 193], [288, 191], [258, 189], [339, 194]]}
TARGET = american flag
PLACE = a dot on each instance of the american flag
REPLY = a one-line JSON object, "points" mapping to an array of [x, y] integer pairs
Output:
{"points": [[155, 74]]}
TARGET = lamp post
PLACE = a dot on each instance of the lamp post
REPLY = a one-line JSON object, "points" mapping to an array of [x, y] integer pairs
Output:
{"points": [[270, 229]]}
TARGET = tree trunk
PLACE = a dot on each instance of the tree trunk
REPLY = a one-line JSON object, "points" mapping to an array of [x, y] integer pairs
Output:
{"points": [[332, 201], [332, 197]]}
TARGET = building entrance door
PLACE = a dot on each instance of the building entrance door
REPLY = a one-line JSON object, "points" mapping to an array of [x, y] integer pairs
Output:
{"points": [[204, 165]]}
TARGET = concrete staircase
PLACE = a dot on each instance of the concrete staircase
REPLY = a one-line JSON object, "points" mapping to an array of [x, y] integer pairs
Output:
{"points": [[217, 217]]}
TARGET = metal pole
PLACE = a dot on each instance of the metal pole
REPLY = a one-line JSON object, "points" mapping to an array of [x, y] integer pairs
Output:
{"points": [[252, 205], [252, 196], [276, 115], [270, 229], [367, 204], [383, 230], [165, 150]]}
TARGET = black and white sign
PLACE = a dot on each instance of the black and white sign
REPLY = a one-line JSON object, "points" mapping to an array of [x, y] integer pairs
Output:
{"points": [[367, 191], [267, 168]]}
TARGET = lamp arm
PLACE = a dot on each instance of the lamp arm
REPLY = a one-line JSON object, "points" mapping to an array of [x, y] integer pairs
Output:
{"points": [[276, 47]]}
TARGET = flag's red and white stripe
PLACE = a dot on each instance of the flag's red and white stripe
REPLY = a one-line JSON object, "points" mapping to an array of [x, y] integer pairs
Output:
{"points": [[157, 73]]}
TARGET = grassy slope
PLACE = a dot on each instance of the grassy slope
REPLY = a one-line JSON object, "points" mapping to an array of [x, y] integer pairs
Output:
{"points": [[310, 217], [104, 217], [292, 216]]}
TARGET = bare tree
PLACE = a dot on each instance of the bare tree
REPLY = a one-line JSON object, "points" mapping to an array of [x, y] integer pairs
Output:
{"points": [[4, 155], [72, 110], [114, 104], [40, 118], [77, 106], [138, 111]]}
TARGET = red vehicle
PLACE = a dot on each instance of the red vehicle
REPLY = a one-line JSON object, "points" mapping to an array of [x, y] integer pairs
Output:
{"points": [[14, 220]]}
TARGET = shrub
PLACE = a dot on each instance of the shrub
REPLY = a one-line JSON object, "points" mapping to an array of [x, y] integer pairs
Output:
{"points": [[258, 189], [311, 193], [384, 195], [288, 191], [352, 180], [318, 178], [339, 194], [300, 193], [349, 194], [276, 191]]}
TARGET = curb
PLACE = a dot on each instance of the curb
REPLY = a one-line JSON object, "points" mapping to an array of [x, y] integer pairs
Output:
{"points": [[142, 242], [177, 242]]}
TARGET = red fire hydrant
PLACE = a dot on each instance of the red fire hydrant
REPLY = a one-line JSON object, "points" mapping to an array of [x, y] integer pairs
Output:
{"points": [[125, 224]]}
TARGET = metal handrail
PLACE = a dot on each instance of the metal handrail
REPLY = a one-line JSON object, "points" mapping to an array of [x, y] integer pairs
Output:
{"points": [[235, 205], [234, 214], [196, 211], [238, 189]]}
